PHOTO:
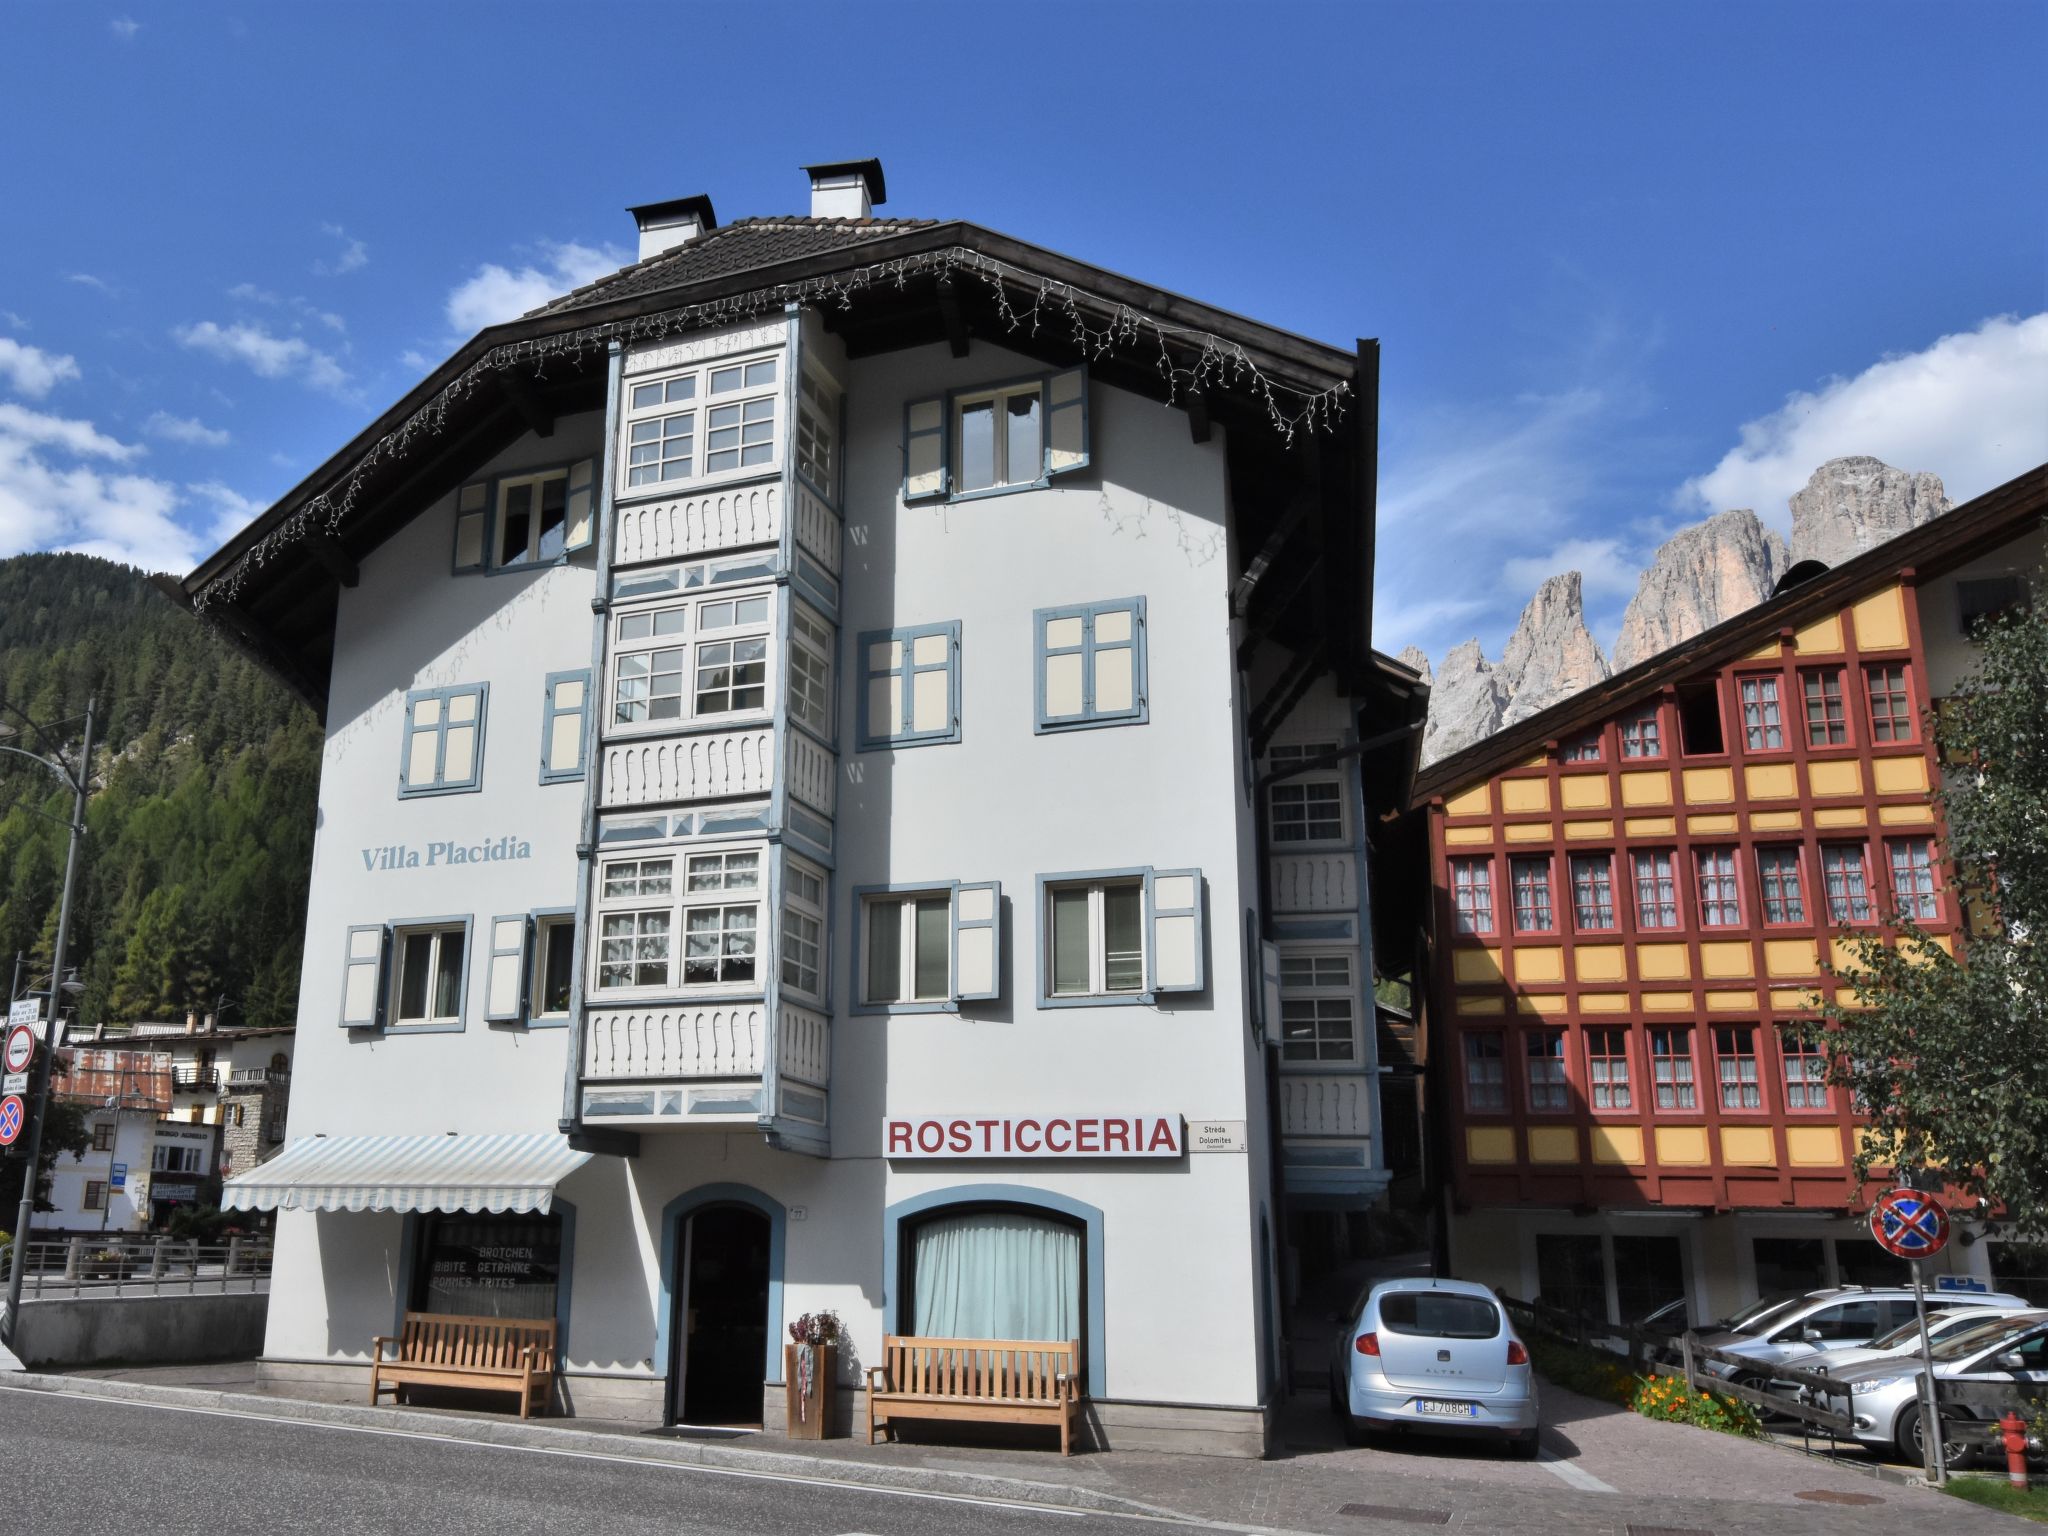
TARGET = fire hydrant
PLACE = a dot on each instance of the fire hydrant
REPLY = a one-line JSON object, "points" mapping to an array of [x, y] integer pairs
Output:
{"points": [[2014, 1432]]}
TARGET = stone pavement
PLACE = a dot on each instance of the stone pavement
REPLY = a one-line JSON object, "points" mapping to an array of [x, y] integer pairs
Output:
{"points": [[1603, 1471]]}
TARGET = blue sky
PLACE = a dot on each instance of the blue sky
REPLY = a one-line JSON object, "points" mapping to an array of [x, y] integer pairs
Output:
{"points": [[1629, 263]]}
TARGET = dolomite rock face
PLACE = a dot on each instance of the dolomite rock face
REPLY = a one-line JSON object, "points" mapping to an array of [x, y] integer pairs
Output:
{"points": [[1851, 505], [1412, 656], [1466, 702], [1551, 655], [1701, 575]]}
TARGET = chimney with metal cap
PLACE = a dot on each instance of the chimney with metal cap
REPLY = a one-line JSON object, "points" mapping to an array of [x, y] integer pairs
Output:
{"points": [[846, 189], [664, 226]]}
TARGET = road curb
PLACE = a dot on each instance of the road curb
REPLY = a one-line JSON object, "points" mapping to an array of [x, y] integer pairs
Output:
{"points": [[525, 1435]]}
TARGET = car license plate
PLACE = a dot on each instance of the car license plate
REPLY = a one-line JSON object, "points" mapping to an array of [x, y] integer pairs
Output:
{"points": [[1437, 1408]]}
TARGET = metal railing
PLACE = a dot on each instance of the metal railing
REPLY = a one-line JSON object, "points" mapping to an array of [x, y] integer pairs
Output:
{"points": [[195, 1079], [89, 1266]]}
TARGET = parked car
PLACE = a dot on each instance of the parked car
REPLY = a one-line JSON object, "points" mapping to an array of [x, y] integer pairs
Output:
{"points": [[1882, 1399], [1942, 1323], [1433, 1355], [1842, 1317]]}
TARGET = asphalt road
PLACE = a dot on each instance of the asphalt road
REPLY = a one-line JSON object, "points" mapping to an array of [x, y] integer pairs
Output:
{"points": [[78, 1465]]}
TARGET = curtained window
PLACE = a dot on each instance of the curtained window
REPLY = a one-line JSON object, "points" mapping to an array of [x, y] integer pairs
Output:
{"points": [[996, 1274]]}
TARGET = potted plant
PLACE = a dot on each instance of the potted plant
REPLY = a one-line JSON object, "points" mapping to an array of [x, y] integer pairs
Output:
{"points": [[810, 1366]]}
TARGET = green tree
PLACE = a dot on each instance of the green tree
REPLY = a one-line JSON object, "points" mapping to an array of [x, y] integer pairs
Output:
{"points": [[1949, 1056]]}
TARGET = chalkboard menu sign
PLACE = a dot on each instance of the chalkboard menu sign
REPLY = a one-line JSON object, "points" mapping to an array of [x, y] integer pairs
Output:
{"points": [[490, 1266]]}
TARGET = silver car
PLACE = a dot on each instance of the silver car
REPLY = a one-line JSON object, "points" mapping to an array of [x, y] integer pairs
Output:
{"points": [[1842, 1317], [1882, 1399], [1434, 1355], [1942, 1323]]}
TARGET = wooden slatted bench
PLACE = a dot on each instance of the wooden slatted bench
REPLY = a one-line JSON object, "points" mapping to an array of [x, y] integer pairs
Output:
{"points": [[1002, 1381], [490, 1354]]}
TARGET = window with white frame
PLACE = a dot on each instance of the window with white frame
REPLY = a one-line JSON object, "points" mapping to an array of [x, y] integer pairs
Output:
{"points": [[690, 661], [1308, 807], [1486, 1087], [1549, 1090], [910, 694], [431, 970], [999, 438], [817, 434], [636, 923], [705, 422], [444, 741], [1005, 436], [906, 942], [1091, 665], [810, 669], [532, 518], [1318, 1013], [554, 965], [720, 930], [1098, 946], [803, 929], [1671, 1068], [525, 518], [714, 903]]}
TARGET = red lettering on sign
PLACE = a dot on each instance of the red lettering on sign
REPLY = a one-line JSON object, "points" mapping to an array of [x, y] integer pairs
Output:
{"points": [[1088, 1136], [1162, 1136], [958, 1137], [899, 1137], [988, 1140], [937, 1138], [1022, 1127], [1059, 1125], [1116, 1136]]}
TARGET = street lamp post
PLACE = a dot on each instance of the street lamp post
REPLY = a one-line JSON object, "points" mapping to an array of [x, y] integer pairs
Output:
{"points": [[78, 782]]}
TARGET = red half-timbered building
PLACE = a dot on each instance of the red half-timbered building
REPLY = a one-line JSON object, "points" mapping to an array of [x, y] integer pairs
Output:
{"points": [[1638, 896]]}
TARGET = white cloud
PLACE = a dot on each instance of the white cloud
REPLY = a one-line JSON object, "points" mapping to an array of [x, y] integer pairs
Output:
{"points": [[14, 322], [249, 293], [124, 28], [1972, 408], [416, 360], [353, 258], [87, 280], [184, 429], [270, 356], [497, 294], [1608, 570], [34, 429], [232, 511], [32, 371]]}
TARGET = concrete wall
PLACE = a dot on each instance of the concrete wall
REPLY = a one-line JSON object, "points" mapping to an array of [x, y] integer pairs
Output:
{"points": [[1951, 656], [141, 1330]]}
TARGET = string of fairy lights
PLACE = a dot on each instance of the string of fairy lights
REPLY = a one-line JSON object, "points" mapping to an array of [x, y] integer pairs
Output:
{"points": [[1188, 362]]}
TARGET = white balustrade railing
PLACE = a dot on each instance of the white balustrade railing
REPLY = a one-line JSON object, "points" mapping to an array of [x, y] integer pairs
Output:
{"points": [[694, 525], [806, 1046], [811, 777], [672, 769], [817, 529], [1315, 882], [1325, 1106], [698, 1040]]}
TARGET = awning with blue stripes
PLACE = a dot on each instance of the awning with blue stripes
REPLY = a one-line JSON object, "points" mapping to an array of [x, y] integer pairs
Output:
{"points": [[408, 1173]]}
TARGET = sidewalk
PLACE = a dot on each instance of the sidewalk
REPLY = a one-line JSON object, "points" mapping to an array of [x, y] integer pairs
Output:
{"points": [[1604, 1470]]}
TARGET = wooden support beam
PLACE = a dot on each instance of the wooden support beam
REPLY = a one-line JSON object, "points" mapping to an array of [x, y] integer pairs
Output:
{"points": [[519, 394], [244, 634], [1273, 711], [1196, 404], [1248, 584], [955, 318], [333, 558]]}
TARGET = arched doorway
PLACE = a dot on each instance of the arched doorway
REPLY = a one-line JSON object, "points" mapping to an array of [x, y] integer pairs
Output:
{"points": [[720, 1327]]}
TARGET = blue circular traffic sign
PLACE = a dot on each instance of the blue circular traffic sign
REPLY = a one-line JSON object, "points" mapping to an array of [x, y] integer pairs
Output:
{"points": [[1909, 1223], [12, 1118]]}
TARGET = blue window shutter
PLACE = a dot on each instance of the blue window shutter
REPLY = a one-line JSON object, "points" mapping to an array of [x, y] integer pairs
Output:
{"points": [[472, 526], [579, 526], [366, 960], [504, 981], [1174, 941], [924, 449], [978, 942], [1066, 422], [563, 734]]}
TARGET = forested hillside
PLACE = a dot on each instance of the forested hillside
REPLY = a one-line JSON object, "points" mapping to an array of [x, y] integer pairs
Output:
{"points": [[205, 775]]}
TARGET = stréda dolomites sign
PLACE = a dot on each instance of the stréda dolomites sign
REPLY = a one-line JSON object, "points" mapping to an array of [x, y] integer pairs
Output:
{"points": [[437, 854]]}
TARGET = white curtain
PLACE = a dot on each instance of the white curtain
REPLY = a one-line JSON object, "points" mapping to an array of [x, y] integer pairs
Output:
{"points": [[997, 1275]]}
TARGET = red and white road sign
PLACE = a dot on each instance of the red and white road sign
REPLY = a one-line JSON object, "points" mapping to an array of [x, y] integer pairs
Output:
{"points": [[1909, 1223], [13, 1116], [21, 1048]]}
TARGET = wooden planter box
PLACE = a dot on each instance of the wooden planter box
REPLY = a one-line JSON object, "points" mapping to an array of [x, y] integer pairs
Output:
{"points": [[810, 1415]]}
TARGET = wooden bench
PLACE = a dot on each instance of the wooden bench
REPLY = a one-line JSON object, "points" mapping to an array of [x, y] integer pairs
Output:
{"points": [[490, 1354], [1003, 1381]]}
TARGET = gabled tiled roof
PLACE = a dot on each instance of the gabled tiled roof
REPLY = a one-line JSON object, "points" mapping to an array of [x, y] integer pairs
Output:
{"points": [[736, 247]]}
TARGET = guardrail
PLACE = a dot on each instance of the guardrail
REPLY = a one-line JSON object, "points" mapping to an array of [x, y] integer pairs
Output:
{"points": [[92, 1266]]}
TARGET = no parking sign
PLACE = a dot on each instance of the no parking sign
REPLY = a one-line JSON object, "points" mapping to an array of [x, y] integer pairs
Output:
{"points": [[13, 1115], [1909, 1223]]}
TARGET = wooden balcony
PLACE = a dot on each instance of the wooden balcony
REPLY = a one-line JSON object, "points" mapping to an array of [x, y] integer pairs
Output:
{"points": [[703, 1064], [672, 527], [1316, 882]]}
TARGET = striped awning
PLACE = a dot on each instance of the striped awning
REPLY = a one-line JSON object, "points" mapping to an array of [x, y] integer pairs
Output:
{"points": [[408, 1173]]}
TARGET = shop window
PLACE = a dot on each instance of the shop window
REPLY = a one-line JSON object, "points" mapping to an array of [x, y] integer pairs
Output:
{"points": [[1656, 872], [1778, 873], [444, 741], [1317, 1009], [1649, 1273], [1912, 866], [1593, 891], [1891, 702], [1827, 718], [1607, 1069], [1847, 881], [1699, 719], [1486, 1087], [1789, 1266], [1735, 1066], [1549, 1090], [1530, 878], [1860, 1262], [1641, 735], [1806, 1072], [1720, 894], [1763, 721], [1671, 1068], [488, 1266], [2020, 1268], [1571, 1273], [995, 1273], [1472, 894], [1091, 665]]}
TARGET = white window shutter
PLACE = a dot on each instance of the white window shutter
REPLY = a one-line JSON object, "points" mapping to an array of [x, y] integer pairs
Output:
{"points": [[504, 988], [924, 449], [472, 516], [365, 960], [580, 524], [978, 942], [1269, 990], [1173, 917], [1066, 422]]}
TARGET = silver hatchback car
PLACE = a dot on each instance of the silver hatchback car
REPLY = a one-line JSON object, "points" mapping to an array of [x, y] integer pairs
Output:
{"points": [[1434, 1355]]}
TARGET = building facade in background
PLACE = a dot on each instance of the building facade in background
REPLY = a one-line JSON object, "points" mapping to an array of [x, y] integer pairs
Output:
{"points": [[1639, 894]]}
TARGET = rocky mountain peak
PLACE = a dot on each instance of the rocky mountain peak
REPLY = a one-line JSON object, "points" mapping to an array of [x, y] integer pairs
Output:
{"points": [[1551, 655], [1466, 702], [1701, 575], [1414, 657], [1854, 504]]}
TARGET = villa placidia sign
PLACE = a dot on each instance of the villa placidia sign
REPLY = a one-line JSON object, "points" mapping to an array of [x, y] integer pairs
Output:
{"points": [[434, 855]]}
